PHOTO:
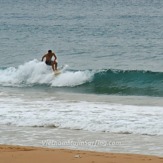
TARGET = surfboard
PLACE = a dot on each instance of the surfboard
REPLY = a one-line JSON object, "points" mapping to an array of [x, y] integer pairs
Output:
{"points": [[60, 70], [57, 72]]}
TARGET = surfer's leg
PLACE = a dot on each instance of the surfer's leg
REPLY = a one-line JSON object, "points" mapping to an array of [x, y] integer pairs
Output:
{"points": [[53, 66], [55, 63]]}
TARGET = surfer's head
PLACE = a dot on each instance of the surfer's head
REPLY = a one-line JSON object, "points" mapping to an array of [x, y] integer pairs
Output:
{"points": [[49, 51]]}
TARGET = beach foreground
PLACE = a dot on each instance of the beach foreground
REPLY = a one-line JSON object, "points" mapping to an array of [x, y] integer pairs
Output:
{"points": [[19, 154]]}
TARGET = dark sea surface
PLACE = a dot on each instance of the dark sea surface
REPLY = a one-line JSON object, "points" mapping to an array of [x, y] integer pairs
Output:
{"points": [[112, 77]]}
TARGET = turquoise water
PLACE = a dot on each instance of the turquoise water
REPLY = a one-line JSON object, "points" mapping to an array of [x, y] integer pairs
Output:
{"points": [[112, 80], [103, 82]]}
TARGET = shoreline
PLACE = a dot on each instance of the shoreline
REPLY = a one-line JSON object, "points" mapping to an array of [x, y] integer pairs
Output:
{"points": [[81, 140], [25, 154]]}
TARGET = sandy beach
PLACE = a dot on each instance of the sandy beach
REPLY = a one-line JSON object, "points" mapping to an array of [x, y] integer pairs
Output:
{"points": [[19, 154]]}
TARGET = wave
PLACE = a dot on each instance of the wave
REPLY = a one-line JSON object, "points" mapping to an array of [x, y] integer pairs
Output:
{"points": [[36, 73], [81, 115], [122, 82], [127, 82]]}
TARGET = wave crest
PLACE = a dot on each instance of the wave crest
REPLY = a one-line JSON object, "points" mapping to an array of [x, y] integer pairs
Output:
{"points": [[121, 82], [37, 73]]}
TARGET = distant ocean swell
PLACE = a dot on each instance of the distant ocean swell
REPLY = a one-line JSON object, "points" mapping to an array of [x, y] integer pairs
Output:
{"points": [[128, 82], [122, 82]]}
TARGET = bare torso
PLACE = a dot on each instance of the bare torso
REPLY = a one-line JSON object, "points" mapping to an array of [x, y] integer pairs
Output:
{"points": [[49, 61], [49, 56]]}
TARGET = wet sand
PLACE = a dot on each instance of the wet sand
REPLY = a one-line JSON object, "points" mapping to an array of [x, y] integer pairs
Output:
{"points": [[19, 154]]}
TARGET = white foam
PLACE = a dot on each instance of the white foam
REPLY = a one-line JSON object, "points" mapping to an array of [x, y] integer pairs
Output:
{"points": [[35, 72], [91, 116], [72, 78]]}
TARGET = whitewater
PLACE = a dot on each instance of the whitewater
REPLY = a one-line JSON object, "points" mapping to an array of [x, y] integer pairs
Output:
{"points": [[29, 111], [105, 81], [38, 103], [35, 72]]}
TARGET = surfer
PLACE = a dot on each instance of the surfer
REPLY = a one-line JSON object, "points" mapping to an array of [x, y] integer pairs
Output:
{"points": [[49, 61]]}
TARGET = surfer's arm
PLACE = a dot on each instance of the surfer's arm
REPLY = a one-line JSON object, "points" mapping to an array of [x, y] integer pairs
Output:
{"points": [[43, 57], [55, 57]]}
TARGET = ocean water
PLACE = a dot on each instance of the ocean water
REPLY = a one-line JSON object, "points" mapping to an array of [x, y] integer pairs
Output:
{"points": [[111, 86]]}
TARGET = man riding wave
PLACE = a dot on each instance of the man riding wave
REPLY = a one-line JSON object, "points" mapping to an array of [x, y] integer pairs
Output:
{"points": [[49, 61]]}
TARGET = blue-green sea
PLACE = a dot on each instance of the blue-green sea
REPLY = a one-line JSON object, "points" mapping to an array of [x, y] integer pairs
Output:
{"points": [[112, 81]]}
